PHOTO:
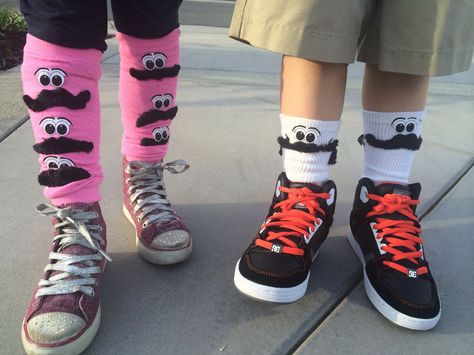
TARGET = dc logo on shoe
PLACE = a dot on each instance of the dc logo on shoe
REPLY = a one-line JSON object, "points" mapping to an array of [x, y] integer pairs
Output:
{"points": [[276, 248], [412, 274]]}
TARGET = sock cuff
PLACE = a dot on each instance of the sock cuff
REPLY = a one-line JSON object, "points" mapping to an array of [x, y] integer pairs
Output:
{"points": [[39, 49], [327, 129], [144, 44], [380, 118]]}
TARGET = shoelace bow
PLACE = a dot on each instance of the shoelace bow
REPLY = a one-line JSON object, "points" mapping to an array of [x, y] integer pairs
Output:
{"points": [[147, 190], [75, 230], [293, 222], [398, 233]]}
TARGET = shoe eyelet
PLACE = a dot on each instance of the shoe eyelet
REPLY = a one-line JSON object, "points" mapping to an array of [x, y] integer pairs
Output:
{"points": [[92, 293], [139, 219], [144, 225], [100, 229]]}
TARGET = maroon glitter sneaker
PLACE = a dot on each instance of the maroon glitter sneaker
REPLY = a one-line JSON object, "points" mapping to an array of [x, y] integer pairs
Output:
{"points": [[64, 314], [161, 236]]}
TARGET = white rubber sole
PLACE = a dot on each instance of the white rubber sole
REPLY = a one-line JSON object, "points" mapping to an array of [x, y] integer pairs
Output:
{"points": [[383, 307], [159, 257], [267, 293], [73, 348]]}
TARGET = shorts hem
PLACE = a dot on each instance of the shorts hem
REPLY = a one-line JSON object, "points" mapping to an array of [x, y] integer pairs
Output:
{"points": [[419, 62], [297, 42]]}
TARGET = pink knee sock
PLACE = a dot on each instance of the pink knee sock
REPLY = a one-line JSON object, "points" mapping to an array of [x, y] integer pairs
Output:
{"points": [[148, 79], [61, 92]]}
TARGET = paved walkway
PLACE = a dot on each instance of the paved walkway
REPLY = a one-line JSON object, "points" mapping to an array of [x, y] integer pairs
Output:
{"points": [[227, 129]]}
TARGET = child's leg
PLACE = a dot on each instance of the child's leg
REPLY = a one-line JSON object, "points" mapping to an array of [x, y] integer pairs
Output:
{"points": [[385, 231], [383, 219], [312, 89], [317, 46], [149, 65], [394, 106], [312, 97], [276, 265], [148, 80], [60, 74], [390, 92]]}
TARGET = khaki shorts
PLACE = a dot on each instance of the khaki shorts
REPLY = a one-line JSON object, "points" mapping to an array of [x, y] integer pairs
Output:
{"points": [[424, 37]]}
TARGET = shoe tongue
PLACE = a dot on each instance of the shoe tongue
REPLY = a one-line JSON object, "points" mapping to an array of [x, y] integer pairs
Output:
{"points": [[74, 249], [283, 181], [313, 187], [281, 196], [390, 188]]}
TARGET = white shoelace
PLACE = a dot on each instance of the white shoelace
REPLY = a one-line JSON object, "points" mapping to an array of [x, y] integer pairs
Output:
{"points": [[147, 178], [76, 230]]}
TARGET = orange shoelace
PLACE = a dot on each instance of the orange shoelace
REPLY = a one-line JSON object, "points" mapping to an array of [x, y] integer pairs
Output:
{"points": [[294, 222], [398, 233]]}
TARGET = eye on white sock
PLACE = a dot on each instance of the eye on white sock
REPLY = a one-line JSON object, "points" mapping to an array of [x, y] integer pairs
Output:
{"points": [[308, 146], [390, 141]]}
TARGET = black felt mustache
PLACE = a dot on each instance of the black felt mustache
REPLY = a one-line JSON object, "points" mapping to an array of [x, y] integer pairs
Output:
{"points": [[62, 176], [158, 73], [311, 147], [57, 98], [62, 145], [156, 115], [398, 141], [150, 141]]}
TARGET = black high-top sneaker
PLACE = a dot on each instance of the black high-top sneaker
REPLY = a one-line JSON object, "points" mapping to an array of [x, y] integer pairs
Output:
{"points": [[385, 234], [275, 267]]}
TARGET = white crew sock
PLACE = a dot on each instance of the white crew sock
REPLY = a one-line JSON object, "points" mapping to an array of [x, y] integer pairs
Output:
{"points": [[308, 160], [390, 161]]}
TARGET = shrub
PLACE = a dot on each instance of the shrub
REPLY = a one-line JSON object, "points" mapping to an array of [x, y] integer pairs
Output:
{"points": [[11, 20]]}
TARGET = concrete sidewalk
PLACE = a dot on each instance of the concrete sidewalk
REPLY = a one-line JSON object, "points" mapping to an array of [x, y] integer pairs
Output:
{"points": [[226, 130]]}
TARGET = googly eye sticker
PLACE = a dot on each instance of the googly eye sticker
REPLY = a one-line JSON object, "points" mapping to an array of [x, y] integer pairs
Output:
{"points": [[54, 77], [305, 135], [55, 125], [53, 162], [154, 61], [403, 125], [411, 124], [161, 134], [162, 101]]}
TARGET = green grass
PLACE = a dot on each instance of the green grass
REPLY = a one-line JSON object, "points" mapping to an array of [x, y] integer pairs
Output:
{"points": [[11, 20]]}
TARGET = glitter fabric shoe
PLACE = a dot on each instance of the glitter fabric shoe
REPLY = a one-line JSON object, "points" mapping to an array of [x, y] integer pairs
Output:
{"points": [[64, 314], [161, 236]]}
